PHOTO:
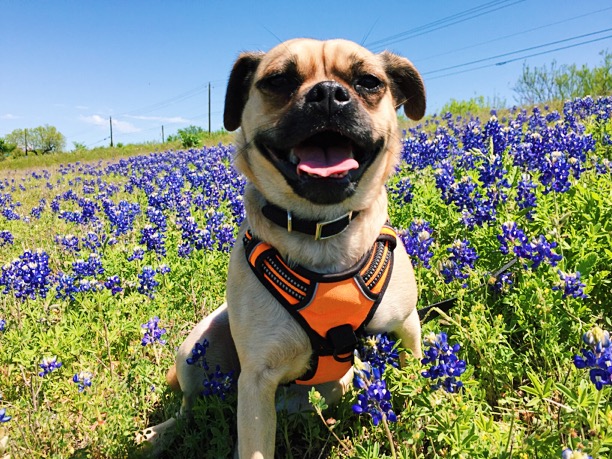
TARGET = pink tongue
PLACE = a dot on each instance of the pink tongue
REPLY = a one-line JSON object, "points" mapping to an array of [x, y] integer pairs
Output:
{"points": [[325, 162]]}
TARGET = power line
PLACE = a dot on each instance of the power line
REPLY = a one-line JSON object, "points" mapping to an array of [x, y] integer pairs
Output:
{"points": [[432, 24], [456, 50], [442, 23], [521, 57], [531, 48]]}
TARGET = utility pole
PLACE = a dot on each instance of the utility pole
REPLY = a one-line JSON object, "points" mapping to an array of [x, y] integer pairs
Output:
{"points": [[25, 141], [209, 107], [111, 130], [162, 133]]}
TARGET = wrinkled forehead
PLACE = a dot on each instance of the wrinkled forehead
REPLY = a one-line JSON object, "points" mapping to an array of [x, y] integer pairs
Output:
{"points": [[318, 59]]}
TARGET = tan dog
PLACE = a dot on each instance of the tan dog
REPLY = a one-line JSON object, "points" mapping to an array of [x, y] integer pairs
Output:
{"points": [[318, 140]]}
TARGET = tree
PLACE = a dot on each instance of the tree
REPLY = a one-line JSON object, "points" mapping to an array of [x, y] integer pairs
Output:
{"points": [[191, 136], [6, 148], [562, 82], [39, 140]]}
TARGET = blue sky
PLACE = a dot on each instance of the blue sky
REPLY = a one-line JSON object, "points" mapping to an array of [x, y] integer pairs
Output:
{"points": [[74, 64]]}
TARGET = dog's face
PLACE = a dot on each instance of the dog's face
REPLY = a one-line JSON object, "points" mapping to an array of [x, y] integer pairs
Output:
{"points": [[318, 119]]}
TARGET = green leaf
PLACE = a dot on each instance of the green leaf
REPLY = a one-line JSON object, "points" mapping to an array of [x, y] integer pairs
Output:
{"points": [[586, 264]]}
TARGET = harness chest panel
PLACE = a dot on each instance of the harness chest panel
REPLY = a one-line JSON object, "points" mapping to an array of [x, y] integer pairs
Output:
{"points": [[333, 309]]}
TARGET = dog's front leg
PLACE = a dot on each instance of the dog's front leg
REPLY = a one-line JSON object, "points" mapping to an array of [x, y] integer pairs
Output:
{"points": [[256, 413]]}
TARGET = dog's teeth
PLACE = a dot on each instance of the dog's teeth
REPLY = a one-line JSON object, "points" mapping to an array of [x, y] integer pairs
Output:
{"points": [[293, 159]]}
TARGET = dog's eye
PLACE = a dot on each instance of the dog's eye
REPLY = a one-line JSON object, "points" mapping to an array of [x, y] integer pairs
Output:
{"points": [[368, 82], [278, 83]]}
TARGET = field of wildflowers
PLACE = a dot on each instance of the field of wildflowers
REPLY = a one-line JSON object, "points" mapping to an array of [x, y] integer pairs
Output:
{"points": [[105, 267]]}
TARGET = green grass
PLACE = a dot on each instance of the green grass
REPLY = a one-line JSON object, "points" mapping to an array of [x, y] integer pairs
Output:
{"points": [[523, 397], [104, 153]]}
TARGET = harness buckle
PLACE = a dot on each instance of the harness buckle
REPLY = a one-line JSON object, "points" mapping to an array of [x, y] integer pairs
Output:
{"points": [[321, 225], [343, 341]]}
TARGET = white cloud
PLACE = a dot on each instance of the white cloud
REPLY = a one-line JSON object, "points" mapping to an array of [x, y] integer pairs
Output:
{"points": [[9, 116], [162, 119], [122, 127]]}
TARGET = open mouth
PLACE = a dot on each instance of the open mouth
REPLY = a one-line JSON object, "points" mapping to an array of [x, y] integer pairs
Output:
{"points": [[324, 155], [325, 167]]}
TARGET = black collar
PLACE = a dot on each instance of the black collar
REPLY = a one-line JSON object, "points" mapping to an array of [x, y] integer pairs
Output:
{"points": [[320, 230]]}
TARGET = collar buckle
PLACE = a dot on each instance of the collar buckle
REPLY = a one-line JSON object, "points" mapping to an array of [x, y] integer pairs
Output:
{"points": [[320, 225]]}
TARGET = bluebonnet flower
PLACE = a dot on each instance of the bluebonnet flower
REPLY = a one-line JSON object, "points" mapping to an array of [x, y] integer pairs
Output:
{"points": [[215, 382], [379, 351], [82, 380], [571, 285], [461, 257], [536, 251], [153, 239], [526, 198], [121, 216], [218, 383], [147, 282], [577, 454], [6, 238], [418, 241], [48, 365], [540, 250], [69, 242], [91, 267], [137, 254], [163, 269], [597, 357], [3, 416], [153, 334], [2, 325], [402, 190], [374, 398], [503, 283], [446, 367], [113, 283], [91, 241], [198, 354], [28, 276], [66, 287]]}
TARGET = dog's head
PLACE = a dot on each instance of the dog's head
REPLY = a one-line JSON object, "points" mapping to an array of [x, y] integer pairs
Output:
{"points": [[318, 119]]}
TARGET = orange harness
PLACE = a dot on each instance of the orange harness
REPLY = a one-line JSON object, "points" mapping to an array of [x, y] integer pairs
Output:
{"points": [[333, 309]]}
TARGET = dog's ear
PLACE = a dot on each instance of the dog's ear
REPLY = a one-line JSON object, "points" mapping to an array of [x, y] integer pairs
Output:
{"points": [[407, 85], [238, 88]]}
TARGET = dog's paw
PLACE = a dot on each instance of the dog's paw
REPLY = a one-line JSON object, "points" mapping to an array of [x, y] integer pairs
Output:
{"points": [[151, 438]]}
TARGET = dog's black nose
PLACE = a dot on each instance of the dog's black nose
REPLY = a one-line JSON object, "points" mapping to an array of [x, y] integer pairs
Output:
{"points": [[328, 97]]}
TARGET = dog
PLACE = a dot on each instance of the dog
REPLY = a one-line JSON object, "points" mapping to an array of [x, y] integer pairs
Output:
{"points": [[318, 140]]}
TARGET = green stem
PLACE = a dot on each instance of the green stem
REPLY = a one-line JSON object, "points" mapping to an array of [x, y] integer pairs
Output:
{"points": [[389, 436], [595, 417]]}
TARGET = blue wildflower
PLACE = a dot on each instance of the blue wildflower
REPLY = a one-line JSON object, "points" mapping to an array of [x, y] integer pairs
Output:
{"points": [[6, 238], [216, 382], [82, 380], [48, 365], [153, 334], [3, 416], [375, 398], [461, 257], [379, 351], [446, 367], [28, 276], [113, 283], [577, 454], [418, 241], [597, 357], [147, 284], [571, 285]]}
